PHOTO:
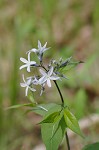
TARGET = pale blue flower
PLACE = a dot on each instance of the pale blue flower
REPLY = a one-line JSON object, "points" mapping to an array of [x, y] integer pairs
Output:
{"points": [[27, 84], [46, 77], [41, 49], [28, 63]]}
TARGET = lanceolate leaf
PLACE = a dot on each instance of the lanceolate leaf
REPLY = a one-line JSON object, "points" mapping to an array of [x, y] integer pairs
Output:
{"points": [[72, 122], [94, 146], [51, 118], [21, 105], [46, 109], [53, 133], [70, 66]]}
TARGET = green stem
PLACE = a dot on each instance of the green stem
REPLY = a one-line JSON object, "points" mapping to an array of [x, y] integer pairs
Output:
{"points": [[59, 92], [67, 139], [61, 96]]}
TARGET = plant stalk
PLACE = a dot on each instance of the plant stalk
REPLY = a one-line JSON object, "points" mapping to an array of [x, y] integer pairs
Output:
{"points": [[66, 135], [67, 140], [61, 96], [59, 92]]}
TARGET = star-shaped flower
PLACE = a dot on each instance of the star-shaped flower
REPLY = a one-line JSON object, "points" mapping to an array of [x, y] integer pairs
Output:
{"points": [[28, 63], [41, 49], [46, 77], [27, 84]]}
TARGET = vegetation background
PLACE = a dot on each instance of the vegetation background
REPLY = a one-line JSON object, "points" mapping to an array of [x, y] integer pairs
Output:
{"points": [[71, 28]]}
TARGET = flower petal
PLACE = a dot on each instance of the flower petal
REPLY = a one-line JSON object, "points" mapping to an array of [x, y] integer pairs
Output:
{"points": [[39, 44], [32, 89], [42, 72], [23, 85], [42, 80], [28, 68], [32, 50], [50, 71], [29, 81], [48, 82], [23, 66], [29, 57], [23, 60], [32, 62], [26, 91], [45, 49], [23, 78], [54, 78], [45, 45]]}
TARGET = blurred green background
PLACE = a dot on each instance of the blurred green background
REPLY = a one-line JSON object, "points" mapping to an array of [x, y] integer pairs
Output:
{"points": [[71, 28]]}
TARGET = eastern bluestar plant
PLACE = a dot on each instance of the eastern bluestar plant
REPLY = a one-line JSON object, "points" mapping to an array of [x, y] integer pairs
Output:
{"points": [[56, 118], [53, 72]]}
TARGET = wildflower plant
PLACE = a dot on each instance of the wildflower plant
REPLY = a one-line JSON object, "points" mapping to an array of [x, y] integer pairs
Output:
{"points": [[56, 117]]}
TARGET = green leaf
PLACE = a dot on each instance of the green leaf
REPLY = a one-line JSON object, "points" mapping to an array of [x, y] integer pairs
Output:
{"points": [[70, 66], [44, 109], [51, 118], [94, 146], [21, 105], [72, 122], [53, 133], [31, 98]]}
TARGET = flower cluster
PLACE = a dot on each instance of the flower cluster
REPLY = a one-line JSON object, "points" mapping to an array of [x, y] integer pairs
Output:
{"points": [[52, 72]]}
